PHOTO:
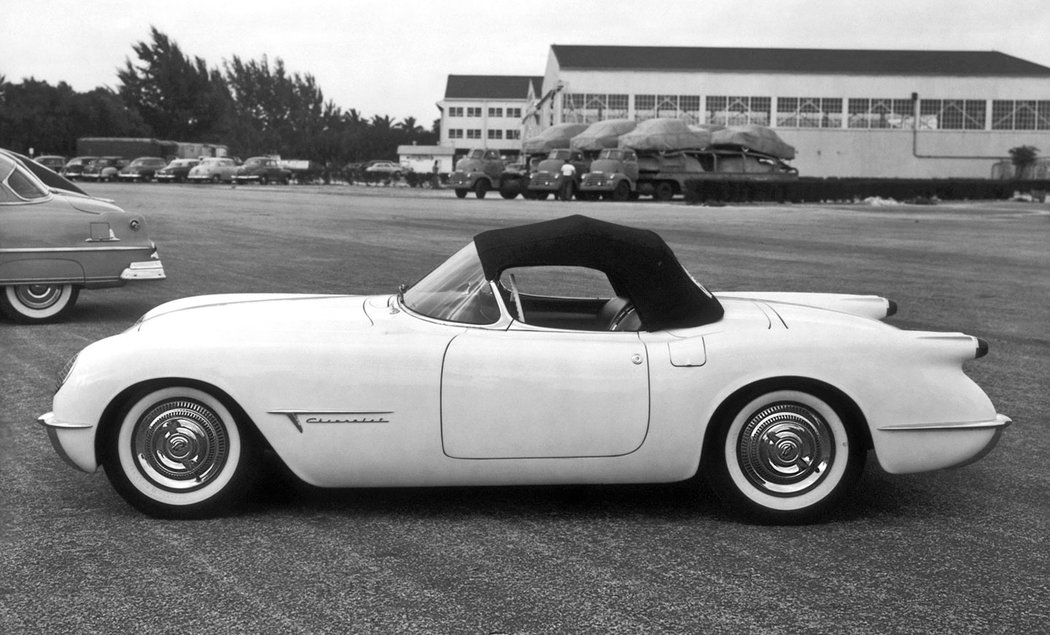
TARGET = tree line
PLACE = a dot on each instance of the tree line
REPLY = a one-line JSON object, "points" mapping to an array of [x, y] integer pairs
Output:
{"points": [[251, 106]]}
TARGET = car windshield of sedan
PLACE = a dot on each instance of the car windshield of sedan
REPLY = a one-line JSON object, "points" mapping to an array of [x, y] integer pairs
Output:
{"points": [[456, 291], [17, 185]]}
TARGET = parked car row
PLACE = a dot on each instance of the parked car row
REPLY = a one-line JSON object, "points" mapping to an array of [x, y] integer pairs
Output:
{"points": [[261, 169]]}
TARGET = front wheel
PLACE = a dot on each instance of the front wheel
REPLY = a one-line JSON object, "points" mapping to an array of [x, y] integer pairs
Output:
{"points": [[461, 192], [481, 188], [178, 452], [785, 456], [29, 303]]}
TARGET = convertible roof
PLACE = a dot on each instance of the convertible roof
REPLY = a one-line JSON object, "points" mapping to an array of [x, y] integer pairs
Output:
{"points": [[638, 262]]}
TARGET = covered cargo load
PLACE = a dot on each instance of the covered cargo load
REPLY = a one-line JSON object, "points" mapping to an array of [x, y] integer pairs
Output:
{"points": [[552, 138], [757, 138], [601, 135], [665, 135]]}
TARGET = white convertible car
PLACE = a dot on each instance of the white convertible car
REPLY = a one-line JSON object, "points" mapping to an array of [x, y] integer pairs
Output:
{"points": [[566, 351]]}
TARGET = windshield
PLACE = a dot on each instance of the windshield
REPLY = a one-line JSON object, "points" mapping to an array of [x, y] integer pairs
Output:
{"points": [[456, 291]]}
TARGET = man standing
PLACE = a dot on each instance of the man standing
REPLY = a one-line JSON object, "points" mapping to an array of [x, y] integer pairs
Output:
{"points": [[567, 181]]}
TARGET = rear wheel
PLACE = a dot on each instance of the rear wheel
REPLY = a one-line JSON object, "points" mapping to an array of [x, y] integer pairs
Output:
{"points": [[177, 452], [786, 456], [28, 303]]}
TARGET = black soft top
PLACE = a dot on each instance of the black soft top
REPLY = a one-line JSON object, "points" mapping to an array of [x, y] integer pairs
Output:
{"points": [[639, 264]]}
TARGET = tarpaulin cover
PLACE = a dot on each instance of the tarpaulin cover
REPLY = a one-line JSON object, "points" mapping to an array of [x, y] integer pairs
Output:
{"points": [[639, 264], [663, 135], [552, 138], [758, 138], [602, 135]]}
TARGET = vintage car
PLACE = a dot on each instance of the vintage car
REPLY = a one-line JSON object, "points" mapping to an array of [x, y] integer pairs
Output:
{"points": [[141, 169], [263, 170], [103, 169], [56, 240], [74, 168], [565, 351], [52, 162], [177, 171], [214, 170], [385, 169]]}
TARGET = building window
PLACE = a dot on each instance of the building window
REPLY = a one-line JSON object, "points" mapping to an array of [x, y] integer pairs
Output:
{"points": [[495, 112], [644, 107], [495, 133], [880, 113], [455, 133], [952, 114], [592, 107], [513, 134], [736, 111], [1020, 115], [473, 111], [514, 112], [455, 111], [473, 133], [809, 112]]}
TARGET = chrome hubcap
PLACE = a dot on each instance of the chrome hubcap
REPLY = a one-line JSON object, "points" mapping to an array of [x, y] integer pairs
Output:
{"points": [[785, 449], [38, 296], [180, 445]]}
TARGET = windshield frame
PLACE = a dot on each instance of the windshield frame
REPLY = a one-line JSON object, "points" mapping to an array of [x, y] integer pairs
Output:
{"points": [[457, 291]]}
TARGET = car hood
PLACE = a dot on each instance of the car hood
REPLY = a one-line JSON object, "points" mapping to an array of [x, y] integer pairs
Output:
{"points": [[256, 316]]}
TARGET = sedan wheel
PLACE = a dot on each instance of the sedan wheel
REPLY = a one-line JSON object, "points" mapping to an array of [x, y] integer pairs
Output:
{"points": [[178, 452], [786, 456], [29, 303]]}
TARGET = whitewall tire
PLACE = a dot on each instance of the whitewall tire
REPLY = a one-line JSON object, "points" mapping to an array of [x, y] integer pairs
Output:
{"points": [[178, 452], [30, 303], [785, 456]]}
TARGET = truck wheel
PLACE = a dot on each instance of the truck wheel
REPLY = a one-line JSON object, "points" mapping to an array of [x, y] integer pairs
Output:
{"points": [[481, 188], [509, 189], [664, 191], [622, 191], [461, 192]]}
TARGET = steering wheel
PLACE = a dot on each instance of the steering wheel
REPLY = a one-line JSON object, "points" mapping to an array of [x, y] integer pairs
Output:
{"points": [[517, 298]]}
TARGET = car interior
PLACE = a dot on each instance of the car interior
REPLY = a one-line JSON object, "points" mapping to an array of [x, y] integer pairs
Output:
{"points": [[570, 300]]}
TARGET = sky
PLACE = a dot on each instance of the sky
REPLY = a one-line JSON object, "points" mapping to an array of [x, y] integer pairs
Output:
{"points": [[393, 57]]}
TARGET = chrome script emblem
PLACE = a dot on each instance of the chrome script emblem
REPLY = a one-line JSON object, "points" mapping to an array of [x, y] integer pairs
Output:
{"points": [[299, 418]]}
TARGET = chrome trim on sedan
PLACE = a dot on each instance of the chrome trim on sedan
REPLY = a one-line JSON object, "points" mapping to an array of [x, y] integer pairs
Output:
{"points": [[144, 270]]}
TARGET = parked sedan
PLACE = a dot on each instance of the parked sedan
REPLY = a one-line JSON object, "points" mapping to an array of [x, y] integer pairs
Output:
{"points": [[74, 168], [385, 168], [177, 171], [263, 170], [103, 169], [56, 240], [142, 169], [566, 351], [214, 170], [52, 162]]}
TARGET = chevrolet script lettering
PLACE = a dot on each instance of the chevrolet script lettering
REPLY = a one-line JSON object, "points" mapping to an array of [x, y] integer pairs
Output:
{"points": [[301, 417]]}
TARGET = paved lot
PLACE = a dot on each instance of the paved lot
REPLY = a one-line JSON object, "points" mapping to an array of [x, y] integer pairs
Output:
{"points": [[949, 552]]}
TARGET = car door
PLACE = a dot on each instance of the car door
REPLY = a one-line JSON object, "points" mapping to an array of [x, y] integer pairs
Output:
{"points": [[544, 394], [550, 386]]}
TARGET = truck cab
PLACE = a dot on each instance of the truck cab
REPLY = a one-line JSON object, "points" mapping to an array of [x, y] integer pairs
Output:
{"points": [[614, 174], [544, 180], [477, 172]]}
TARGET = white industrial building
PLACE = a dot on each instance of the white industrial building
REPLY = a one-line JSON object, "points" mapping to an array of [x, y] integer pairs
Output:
{"points": [[872, 113], [486, 111]]}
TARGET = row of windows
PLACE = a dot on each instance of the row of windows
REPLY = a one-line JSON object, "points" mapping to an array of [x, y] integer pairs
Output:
{"points": [[475, 133], [475, 112], [814, 112]]}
